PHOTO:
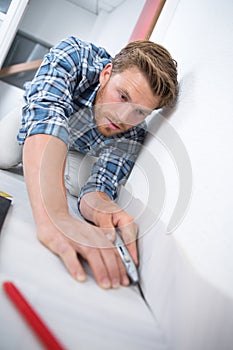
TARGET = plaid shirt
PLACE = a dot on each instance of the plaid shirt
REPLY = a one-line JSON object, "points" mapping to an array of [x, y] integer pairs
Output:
{"points": [[58, 103]]}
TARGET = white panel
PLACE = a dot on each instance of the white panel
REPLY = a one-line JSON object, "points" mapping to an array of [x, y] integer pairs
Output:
{"points": [[109, 5], [199, 37], [2, 16], [113, 30], [192, 292], [10, 98], [89, 5], [9, 26], [61, 19], [95, 6]]}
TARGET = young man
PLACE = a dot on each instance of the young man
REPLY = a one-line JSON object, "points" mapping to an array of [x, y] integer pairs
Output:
{"points": [[82, 99]]}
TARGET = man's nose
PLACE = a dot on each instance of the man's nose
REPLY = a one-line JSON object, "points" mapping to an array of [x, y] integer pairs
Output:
{"points": [[131, 114], [125, 113]]}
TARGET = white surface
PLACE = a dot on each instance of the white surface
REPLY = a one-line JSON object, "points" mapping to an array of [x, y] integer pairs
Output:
{"points": [[96, 6], [63, 18], [60, 19], [10, 151], [9, 26], [196, 312], [203, 119], [83, 316], [10, 98], [113, 30]]}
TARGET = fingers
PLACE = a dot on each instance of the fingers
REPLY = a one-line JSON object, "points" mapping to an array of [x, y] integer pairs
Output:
{"points": [[124, 277], [133, 251], [59, 245], [107, 267], [129, 234], [128, 231], [93, 245], [105, 263], [104, 266]]}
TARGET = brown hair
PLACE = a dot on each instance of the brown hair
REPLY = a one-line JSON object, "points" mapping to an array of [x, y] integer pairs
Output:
{"points": [[156, 63]]}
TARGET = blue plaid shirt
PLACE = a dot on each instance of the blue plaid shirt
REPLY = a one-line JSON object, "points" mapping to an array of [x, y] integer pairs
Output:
{"points": [[58, 103]]}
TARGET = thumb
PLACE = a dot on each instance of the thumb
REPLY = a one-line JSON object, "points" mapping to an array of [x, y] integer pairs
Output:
{"points": [[106, 224], [129, 234]]}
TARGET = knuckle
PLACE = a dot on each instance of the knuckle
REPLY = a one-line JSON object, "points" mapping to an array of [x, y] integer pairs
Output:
{"points": [[61, 246], [54, 242]]}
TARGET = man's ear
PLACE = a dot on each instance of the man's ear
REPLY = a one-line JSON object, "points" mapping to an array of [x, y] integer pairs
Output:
{"points": [[105, 74]]}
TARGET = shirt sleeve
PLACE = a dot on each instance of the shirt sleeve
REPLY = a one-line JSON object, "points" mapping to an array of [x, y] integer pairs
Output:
{"points": [[66, 71], [49, 96], [114, 165]]}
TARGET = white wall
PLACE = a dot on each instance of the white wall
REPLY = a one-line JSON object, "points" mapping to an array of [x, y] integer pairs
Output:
{"points": [[114, 29], [53, 20], [9, 25], [10, 97], [199, 36], [193, 297]]}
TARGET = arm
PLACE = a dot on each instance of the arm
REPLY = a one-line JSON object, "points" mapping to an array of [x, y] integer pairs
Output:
{"points": [[43, 159], [44, 132]]}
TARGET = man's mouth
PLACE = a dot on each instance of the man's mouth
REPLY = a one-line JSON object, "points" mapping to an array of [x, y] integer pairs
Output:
{"points": [[112, 125]]}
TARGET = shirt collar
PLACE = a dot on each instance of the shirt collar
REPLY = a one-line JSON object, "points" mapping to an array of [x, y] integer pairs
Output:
{"points": [[92, 97]]}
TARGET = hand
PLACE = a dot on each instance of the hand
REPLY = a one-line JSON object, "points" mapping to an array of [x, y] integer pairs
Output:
{"points": [[103, 212], [70, 237], [44, 160]]}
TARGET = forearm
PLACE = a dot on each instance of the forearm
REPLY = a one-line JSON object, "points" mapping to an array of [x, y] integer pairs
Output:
{"points": [[43, 160]]}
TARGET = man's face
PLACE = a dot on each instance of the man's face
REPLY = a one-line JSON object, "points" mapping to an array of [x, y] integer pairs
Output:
{"points": [[122, 101]]}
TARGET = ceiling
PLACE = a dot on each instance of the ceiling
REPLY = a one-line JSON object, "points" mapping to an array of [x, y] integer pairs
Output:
{"points": [[95, 6]]}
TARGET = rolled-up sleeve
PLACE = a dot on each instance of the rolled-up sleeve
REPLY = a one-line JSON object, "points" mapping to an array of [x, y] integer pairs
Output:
{"points": [[49, 96], [114, 165]]}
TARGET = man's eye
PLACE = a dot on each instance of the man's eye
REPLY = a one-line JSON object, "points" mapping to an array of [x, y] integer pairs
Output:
{"points": [[140, 112], [123, 97], [144, 113]]}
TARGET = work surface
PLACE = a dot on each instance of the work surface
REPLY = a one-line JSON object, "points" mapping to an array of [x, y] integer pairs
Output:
{"points": [[82, 315], [189, 312]]}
